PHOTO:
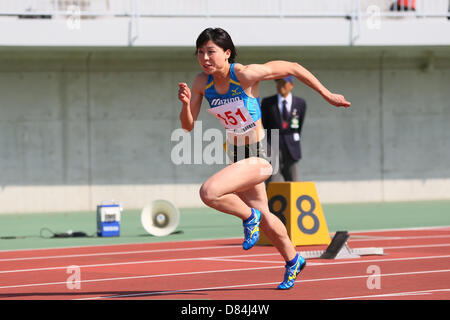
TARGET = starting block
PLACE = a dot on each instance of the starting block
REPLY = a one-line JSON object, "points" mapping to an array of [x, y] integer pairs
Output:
{"points": [[339, 249]]}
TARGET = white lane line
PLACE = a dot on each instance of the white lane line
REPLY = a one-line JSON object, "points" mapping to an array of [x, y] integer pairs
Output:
{"points": [[99, 246], [435, 228], [356, 234], [242, 260], [330, 262], [419, 246], [118, 253], [333, 262], [237, 246], [259, 284], [394, 294], [138, 277], [218, 271], [359, 239], [180, 291], [134, 262]]}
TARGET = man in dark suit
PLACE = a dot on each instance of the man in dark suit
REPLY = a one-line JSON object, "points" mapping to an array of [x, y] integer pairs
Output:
{"points": [[286, 113]]}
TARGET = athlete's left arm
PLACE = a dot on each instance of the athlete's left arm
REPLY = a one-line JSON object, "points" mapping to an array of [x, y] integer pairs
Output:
{"points": [[253, 73]]}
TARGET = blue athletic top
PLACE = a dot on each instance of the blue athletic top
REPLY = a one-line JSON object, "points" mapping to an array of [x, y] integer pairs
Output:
{"points": [[235, 92]]}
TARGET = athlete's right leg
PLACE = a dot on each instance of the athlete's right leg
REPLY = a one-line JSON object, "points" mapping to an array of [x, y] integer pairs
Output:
{"points": [[219, 191]]}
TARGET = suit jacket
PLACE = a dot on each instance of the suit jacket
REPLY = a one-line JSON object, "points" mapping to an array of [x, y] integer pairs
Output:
{"points": [[271, 119]]}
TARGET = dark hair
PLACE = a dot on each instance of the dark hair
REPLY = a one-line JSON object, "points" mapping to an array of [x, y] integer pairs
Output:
{"points": [[220, 37]]}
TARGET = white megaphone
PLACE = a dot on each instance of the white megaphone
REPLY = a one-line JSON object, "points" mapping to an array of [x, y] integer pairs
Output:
{"points": [[161, 218]]}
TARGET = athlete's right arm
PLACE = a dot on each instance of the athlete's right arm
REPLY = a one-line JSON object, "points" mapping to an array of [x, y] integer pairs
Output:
{"points": [[191, 101]]}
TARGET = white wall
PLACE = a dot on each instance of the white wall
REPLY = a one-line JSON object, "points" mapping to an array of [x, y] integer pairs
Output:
{"points": [[78, 126], [246, 31]]}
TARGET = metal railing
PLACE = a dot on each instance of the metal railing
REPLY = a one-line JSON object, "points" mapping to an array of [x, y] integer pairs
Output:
{"points": [[230, 8], [353, 10]]}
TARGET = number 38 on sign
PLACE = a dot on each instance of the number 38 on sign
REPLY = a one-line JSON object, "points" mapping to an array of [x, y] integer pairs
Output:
{"points": [[298, 207]]}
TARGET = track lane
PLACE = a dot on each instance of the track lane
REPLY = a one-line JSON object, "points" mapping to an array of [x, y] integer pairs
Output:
{"points": [[145, 280]]}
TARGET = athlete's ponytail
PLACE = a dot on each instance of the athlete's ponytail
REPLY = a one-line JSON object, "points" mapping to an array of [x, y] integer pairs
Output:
{"points": [[220, 37]]}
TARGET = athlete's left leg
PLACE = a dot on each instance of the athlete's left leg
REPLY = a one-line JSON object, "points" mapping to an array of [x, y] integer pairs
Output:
{"points": [[275, 230], [271, 225]]}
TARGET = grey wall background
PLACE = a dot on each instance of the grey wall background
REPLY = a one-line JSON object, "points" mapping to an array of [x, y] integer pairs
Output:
{"points": [[80, 125]]}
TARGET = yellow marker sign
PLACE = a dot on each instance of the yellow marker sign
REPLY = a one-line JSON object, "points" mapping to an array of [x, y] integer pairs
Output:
{"points": [[298, 206]]}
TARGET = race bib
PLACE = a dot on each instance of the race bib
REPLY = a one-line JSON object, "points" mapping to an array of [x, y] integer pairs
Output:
{"points": [[234, 117]]}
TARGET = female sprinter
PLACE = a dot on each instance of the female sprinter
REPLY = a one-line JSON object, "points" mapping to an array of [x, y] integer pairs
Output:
{"points": [[232, 92]]}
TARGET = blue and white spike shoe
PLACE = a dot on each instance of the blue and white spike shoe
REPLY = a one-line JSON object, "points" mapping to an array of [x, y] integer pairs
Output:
{"points": [[291, 273], [251, 230]]}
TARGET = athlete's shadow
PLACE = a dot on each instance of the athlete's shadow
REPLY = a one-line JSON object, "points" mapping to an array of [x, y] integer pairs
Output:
{"points": [[120, 294]]}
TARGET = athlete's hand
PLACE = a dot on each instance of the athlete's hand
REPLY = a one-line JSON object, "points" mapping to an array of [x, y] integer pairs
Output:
{"points": [[184, 93], [337, 100]]}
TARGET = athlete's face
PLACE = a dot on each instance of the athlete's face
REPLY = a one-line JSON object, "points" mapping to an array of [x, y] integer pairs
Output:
{"points": [[212, 58]]}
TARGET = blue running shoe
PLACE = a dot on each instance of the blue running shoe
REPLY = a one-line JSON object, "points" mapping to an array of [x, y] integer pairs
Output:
{"points": [[251, 230], [292, 272]]}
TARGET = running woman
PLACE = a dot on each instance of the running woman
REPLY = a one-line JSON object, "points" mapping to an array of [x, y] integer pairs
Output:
{"points": [[232, 92]]}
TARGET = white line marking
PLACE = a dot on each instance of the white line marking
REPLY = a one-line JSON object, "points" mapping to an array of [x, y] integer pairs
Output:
{"points": [[180, 291], [420, 246], [237, 246], [217, 271], [135, 262], [403, 229], [99, 246], [201, 272], [259, 284], [399, 238], [140, 277], [394, 294], [330, 262], [333, 262], [118, 253], [240, 260], [209, 239]]}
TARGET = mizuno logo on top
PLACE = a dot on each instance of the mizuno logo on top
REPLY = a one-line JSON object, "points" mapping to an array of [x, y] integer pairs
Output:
{"points": [[219, 102]]}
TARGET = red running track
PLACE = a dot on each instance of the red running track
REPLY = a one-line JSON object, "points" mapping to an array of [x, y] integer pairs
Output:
{"points": [[416, 265]]}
